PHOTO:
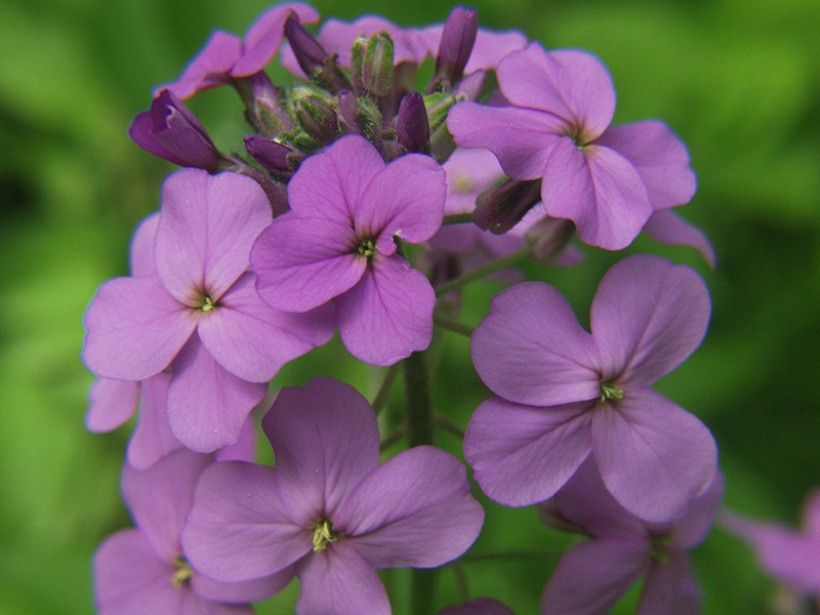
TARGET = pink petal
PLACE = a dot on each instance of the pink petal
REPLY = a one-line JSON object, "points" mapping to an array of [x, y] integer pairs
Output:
{"points": [[660, 158], [415, 510], [530, 348], [152, 438], [207, 405], [599, 190], [521, 139], [112, 404], [647, 316], [141, 254], [670, 587], [244, 449], [491, 47], [469, 172], [238, 528], [207, 227], [388, 314], [304, 262], [254, 590], [209, 68], [325, 440], [669, 228], [573, 85], [339, 581], [522, 455], [653, 456], [134, 329], [592, 576]]}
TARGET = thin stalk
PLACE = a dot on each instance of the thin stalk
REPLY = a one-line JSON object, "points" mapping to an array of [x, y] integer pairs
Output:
{"points": [[449, 426], [393, 437], [384, 390], [487, 269], [458, 218], [461, 581], [452, 325]]}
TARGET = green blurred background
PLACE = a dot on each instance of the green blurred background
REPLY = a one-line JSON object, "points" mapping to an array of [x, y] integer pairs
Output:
{"points": [[737, 79]]}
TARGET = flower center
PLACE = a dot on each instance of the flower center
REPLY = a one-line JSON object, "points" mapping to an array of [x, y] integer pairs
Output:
{"points": [[182, 573], [208, 304], [610, 391], [323, 535], [660, 546], [366, 247], [462, 183]]}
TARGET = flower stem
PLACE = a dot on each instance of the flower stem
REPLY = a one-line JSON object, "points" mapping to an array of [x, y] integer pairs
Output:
{"points": [[384, 390], [392, 438], [487, 269], [452, 325], [458, 218], [449, 426]]}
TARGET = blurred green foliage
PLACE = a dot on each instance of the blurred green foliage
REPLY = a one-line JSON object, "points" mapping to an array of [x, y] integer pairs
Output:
{"points": [[738, 79]]}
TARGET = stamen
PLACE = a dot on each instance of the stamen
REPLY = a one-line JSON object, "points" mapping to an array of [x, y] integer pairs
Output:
{"points": [[610, 391], [323, 535], [366, 247], [183, 572], [208, 304]]}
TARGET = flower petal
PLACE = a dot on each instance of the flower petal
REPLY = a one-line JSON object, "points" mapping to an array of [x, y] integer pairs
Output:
{"points": [[254, 590], [302, 263], [653, 456], [134, 329], [388, 314], [141, 253], [694, 526], [152, 438], [112, 403], [325, 440], [209, 68], [522, 455], [647, 316], [670, 587], [415, 510], [530, 348], [339, 581], [207, 405], [669, 228]]}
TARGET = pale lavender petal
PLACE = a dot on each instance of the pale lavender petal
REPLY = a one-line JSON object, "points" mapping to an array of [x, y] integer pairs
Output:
{"points": [[653, 456], [573, 85], [134, 329], [530, 348], [338, 37], [479, 606], [660, 158], [592, 576], [325, 440], [112, 404], [264, 37], [491, 47], [303, 262], [253, 340], [339, 581], [521, 139], [669, 228], [522, 455], [160, 498], [330, 184], [254, 590], [209, 68], [141, 254], [469, 172], [416, 510], [152, 438], [647, 316], [405, 199], [207, 227], [388, 314], [670, 587], [207, 405], [811, 515], [599, 190], [243, 449], [694, 526]]}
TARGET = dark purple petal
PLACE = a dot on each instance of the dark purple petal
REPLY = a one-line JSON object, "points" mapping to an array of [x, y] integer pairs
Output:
{"points": [[112, 404], [489, 49], [141, 254], [134, 329], [457, 40], [647, 316], [415, 510], [669, 228], [660, 158], [522, 455], [254, 590], [308, 52], [238, 528], [412, 127], [325, 440], [653, 456], [530, 348], [670, 587], [152, 438], [207, 405], [339, 581], [209, 68], [592, 576], [388, 314]]}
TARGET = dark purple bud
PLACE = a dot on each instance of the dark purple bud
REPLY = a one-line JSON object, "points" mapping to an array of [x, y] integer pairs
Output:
{"points": [[274, 156], [317, 118], [309, 53], [501, 208], [263, 108], [412, 128], [456, 45], [169, 130], [373, 65], [549, 237], [349, 110]]}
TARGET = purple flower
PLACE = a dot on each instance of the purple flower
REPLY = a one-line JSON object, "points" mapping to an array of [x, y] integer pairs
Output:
{"points": [[328, 507], [789, 556], [568, 394], [145, 570], [225, 56], [592, 576], [199, 314], [608, 180], [348, 209], [489, 49]]}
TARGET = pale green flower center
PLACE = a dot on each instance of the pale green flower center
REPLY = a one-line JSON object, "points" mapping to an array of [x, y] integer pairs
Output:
{"points": [[323, 535], [610, 391], [182, 572]]}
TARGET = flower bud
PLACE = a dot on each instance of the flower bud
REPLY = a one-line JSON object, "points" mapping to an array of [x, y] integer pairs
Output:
{"points": [[456, 45], [274, 156], [373, 65], [500, 208], [316, 117], [309, 53], [348, 110], [263, 109], [170, 131], [548, 238], [412, 129]]}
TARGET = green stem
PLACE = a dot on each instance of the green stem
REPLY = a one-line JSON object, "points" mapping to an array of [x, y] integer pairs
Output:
{"points": [[392, 438], [452, 325], [475, 274], [457, 219], [448, 425], [384, 390]]}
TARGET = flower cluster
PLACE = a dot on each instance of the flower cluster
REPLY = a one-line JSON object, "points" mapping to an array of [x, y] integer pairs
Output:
{"points": [[364, 200]]}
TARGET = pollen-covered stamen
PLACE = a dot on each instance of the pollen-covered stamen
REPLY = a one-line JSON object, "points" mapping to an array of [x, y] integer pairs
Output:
{"points": [[610, 391], [366, 247], [182, 573], [323, 535], [207, 305]]}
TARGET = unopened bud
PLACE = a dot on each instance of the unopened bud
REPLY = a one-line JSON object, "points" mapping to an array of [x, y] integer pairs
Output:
{"points": [[549, 237], [348, 110], [373, 65], [501, 208], [412, 128], [308, 52], [316, 117], [263, 108], [274, 156], [456, 45]]}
